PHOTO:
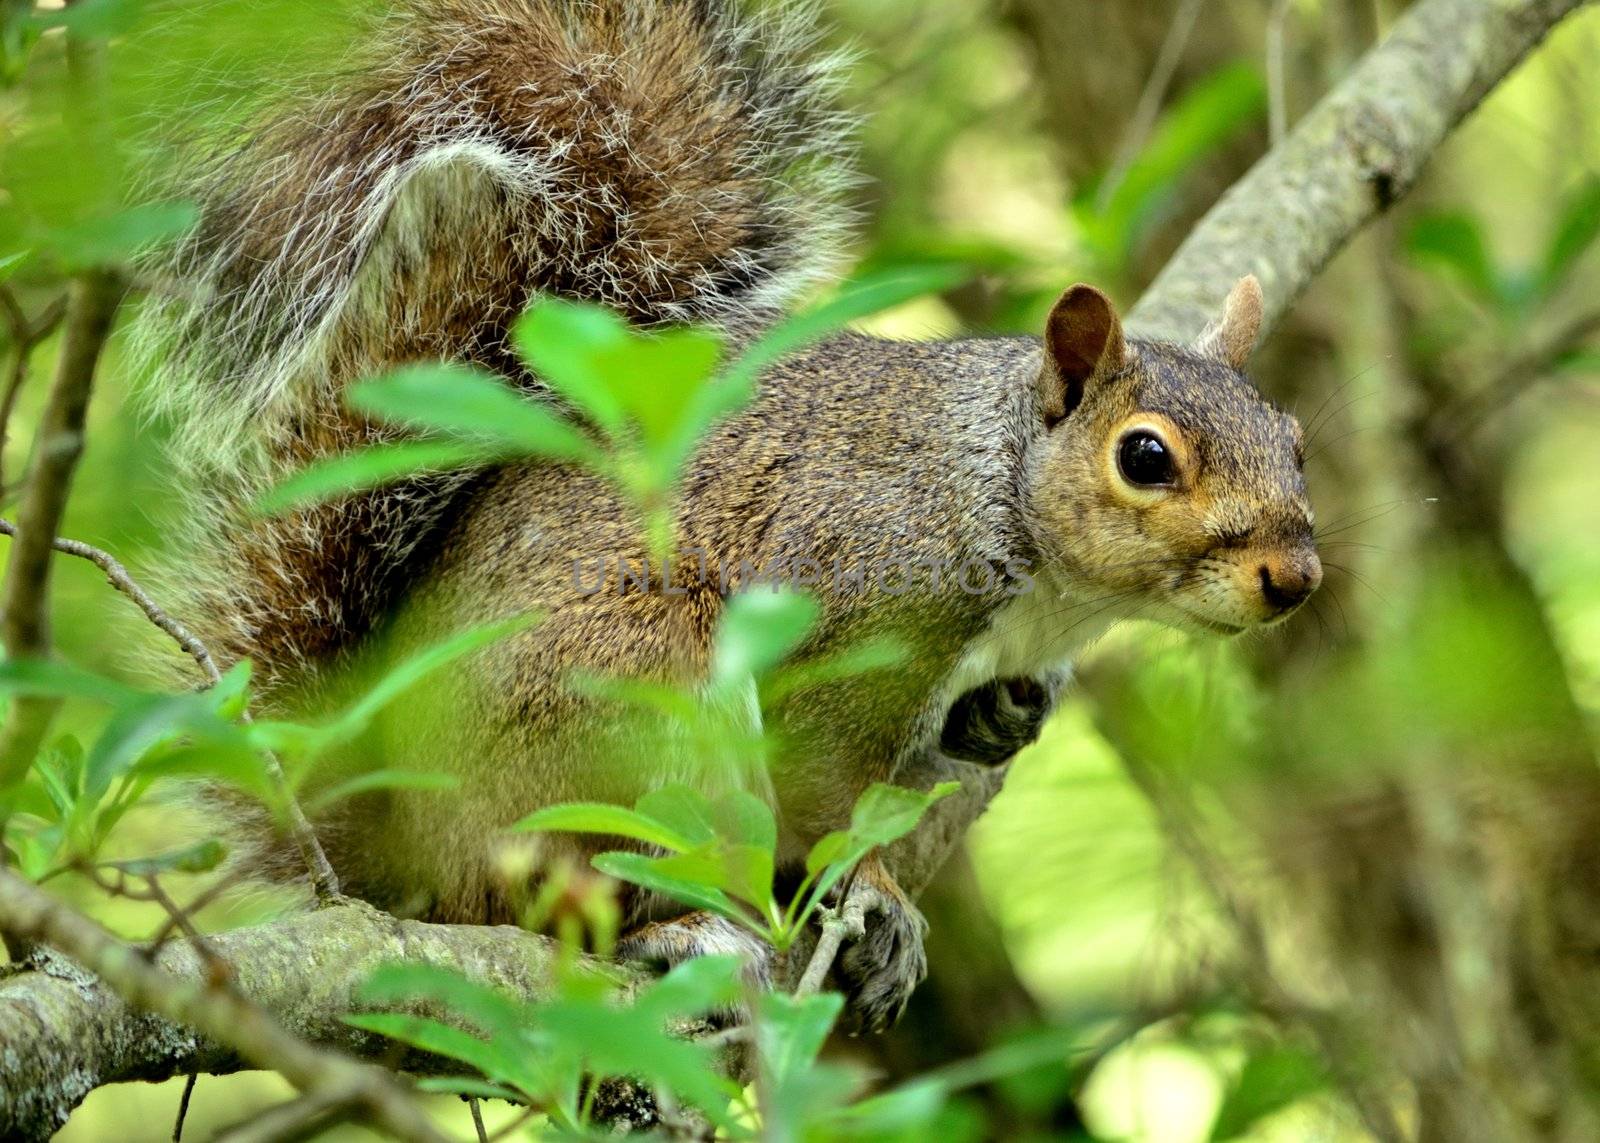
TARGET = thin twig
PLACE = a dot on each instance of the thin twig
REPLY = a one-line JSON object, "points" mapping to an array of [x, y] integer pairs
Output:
{"points": [[1277, 78], [25, 338], [324, 882], [119, 578], [477, 1119], [216, 889], [303, 1118], [183, 1106], [25, 623], [215, 1010], [848, 921], [1516, 376], [1150, 100]]}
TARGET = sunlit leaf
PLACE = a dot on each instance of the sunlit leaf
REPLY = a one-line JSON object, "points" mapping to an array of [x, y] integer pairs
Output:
{"points": [[466, 403], [603, 818], [467, 1086], [61, 680], [566, 342], [758, 629], [434, 1036], [791, 1030], [698, 986], [640, 870], [862, 297]]}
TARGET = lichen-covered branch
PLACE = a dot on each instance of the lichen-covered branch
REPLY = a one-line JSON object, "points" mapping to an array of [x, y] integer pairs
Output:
{"points": [[1354, 155], [64, 1032]]}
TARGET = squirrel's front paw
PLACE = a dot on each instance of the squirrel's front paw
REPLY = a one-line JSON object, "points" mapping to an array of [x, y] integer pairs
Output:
{"points": [[991, 723], [880, 969]]}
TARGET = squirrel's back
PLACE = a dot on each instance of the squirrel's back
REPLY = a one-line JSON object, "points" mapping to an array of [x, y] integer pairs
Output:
{"points": [[676, 160]]}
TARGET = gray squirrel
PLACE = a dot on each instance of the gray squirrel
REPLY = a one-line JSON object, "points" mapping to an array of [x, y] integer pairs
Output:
{"points": [[678, 161]]}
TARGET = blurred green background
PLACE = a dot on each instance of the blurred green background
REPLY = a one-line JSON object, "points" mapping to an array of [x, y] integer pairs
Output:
{"points": [[1352, 862]]}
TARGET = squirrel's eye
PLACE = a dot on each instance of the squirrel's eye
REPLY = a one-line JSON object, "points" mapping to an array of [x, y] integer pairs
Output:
{"points": [[1145, 459]]}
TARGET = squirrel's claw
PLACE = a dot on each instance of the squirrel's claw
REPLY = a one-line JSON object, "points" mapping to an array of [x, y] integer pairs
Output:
{"points": [[879, 970]]}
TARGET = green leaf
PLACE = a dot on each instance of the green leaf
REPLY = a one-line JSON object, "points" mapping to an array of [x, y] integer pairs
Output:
{"points": [[95, 18], [887, 813], [566, 343], [1454, 240], [791, 1030], [744, 818], [489, 1008], [61, 680], [1271, 1081], [830, 848], [383, 780], [745, 871], [118, 237], [684, 810], [466, 1085], [201, 857], [696, 987], [631, 1041], [1202, 120], [145, 723], [466, 403], [412, 671], [758, 629], [434, 1036], [604, 818], [231, 694], [1575, 232], [637, 869], [883, 814], [368, 468], [233, 758], [860, 298], [11, 263]]}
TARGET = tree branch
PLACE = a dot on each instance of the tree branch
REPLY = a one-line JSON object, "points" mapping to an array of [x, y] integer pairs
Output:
{"points": [[292, 981], [25, 625], [1354, 155]]}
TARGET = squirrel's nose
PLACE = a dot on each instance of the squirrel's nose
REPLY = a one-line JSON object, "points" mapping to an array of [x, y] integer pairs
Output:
{"points": [[1288, 580]]}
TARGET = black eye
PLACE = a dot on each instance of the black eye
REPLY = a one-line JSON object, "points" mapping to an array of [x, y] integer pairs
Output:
{"points": [[1145, 459]]}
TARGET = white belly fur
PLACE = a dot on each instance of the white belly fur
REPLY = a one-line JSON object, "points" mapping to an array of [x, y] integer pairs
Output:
{"points": [[1035, 633]]}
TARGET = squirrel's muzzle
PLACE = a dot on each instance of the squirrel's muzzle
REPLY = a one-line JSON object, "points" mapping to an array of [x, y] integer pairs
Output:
{"points": [[1288, 578]]}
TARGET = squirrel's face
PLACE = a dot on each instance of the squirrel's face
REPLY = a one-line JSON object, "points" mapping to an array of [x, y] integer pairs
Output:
{"points": [[1169, 488]]}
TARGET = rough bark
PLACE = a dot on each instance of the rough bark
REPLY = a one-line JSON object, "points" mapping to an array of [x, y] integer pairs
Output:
{"points": [[63, 1033]]}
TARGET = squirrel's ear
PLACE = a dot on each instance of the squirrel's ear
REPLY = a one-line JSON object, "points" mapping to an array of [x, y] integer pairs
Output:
{"points": [[1232, 339], [1082, 341]]}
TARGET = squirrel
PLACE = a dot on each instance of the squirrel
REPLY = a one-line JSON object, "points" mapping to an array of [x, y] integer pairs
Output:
{"points": [[677, 161]]}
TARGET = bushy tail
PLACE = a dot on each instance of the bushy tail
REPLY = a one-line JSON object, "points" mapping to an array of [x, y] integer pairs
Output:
{"points": [[677, 160]]}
